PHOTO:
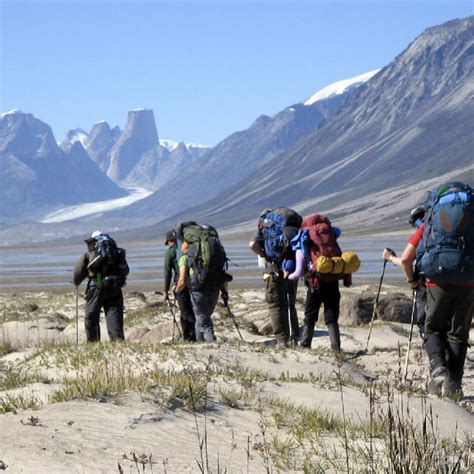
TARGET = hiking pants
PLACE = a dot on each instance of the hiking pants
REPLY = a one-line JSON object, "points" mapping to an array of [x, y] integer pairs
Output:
{"points": [[188, 321], [111, 299], [280, 295], [204, 303], [448, 320], [327, 294]]}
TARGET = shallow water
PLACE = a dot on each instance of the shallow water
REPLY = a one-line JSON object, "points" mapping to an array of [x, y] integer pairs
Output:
{"points": [[51, 267]]}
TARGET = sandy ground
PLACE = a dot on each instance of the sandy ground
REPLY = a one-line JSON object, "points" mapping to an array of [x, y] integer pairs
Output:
{"points": [[105, 433]]}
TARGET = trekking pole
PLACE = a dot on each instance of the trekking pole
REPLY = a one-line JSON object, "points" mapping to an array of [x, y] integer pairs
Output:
{"points": [[374, 311], [232, 315], [172, 307], [412, 322], [77, 315]]}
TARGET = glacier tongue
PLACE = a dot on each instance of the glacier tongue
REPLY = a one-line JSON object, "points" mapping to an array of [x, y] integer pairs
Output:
{"points": [[90, 208]]}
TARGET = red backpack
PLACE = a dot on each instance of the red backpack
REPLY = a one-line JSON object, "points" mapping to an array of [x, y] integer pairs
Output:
{"points": [[322, 241]]}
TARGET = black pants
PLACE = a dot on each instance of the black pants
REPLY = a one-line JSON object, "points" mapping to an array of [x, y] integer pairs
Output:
{"points": [[111, 299], [327, 294], [187, 317], [280, 295]]}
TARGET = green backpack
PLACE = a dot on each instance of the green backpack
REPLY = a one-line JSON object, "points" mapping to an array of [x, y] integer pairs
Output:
{"points": [[207, 259]]}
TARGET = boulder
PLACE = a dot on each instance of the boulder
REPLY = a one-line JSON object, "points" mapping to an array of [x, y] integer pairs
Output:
{"points": [[357, 309], [137, 334], [160, 332]]}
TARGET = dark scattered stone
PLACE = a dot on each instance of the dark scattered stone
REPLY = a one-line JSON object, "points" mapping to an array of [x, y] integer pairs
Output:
{"points": [[395, 307], [31, 307], [357, 309], [137, 294], [3, 466]]}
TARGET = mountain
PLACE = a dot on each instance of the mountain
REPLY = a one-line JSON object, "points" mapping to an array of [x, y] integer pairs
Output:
{"points": [[238, 156], [99, 143], [403, 132], [138, 137], [38, 176]]}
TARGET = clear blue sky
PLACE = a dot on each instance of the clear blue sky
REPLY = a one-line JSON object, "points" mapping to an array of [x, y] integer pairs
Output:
{"points": [[207, 69]]}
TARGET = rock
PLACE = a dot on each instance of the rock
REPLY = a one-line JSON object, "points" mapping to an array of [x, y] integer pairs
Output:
{"points": [[31, 307], [395, 307], [265, 327], [137, 294], [137, 334], [357, 309], [160, 332]]}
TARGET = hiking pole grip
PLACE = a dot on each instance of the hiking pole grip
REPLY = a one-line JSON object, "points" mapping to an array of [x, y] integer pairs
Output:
{"points": [[376, 302], [412, 322]]}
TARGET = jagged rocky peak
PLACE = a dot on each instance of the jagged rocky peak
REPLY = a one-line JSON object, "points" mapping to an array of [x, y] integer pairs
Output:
{"points": [[23, 133], [262, 121], [100, 135], [73, 136], [141, 126]]}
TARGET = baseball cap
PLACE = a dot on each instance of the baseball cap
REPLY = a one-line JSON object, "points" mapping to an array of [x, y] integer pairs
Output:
{"points": [[170, 235]]}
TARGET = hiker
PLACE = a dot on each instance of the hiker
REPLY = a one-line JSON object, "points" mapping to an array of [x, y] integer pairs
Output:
{"points": [[274, 226], [323, 287], [201, 269], [407, 260], [445, 256], [171, 273], [105, 266]]}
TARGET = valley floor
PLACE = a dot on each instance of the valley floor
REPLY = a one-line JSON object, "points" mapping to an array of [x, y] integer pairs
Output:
{"points": [[151, 405]]}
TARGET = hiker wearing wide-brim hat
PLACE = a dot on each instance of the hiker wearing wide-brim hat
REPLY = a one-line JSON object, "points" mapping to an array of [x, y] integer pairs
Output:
{"points": [[171, 274], [105, 266]]}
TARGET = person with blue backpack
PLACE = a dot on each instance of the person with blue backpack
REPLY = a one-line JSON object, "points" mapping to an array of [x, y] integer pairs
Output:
{"points": [[445, 258], [276, 228]]}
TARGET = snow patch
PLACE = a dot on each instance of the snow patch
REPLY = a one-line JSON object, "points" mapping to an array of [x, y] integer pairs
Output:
{"points": [[11, 112], [90, 208], [340, 87], [171, 145]]}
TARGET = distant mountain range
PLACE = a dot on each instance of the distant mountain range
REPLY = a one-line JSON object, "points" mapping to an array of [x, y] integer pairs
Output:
{"points": [[363, 150], [405, 130]]}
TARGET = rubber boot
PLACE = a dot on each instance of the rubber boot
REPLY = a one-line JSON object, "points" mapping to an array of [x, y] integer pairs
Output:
{"points": [[451, 387], [334, 337], [308, 332]]}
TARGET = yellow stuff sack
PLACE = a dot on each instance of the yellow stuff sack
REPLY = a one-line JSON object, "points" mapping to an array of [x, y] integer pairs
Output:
{"points": [[351, 262], [324, 264], [330, 264], [338, 265]]}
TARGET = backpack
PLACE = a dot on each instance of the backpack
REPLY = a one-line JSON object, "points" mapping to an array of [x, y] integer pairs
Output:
{"points": [[445, 253], [278, 228], [322, 241], [207, 259], [110, 265]]}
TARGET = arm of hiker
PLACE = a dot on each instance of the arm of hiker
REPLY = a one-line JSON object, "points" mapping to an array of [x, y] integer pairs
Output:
{"points": [[168, 272], [80, 270], [390, 257], [183, 277], [255, 246], [407, 259]]}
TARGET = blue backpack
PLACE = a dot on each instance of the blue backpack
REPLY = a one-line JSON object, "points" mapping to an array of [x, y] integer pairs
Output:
{"points": [[445, 254], [279, 227]]}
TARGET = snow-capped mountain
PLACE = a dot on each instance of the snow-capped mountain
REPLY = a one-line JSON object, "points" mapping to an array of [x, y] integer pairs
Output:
{"points": [[340, 87]]}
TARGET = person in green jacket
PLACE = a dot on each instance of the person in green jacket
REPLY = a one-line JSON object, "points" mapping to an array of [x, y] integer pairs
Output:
{"points": [[171, 274]]}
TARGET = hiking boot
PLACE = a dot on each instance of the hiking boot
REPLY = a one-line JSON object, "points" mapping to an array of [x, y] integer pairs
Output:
{"points": [[452, 389], [438, 376]]}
